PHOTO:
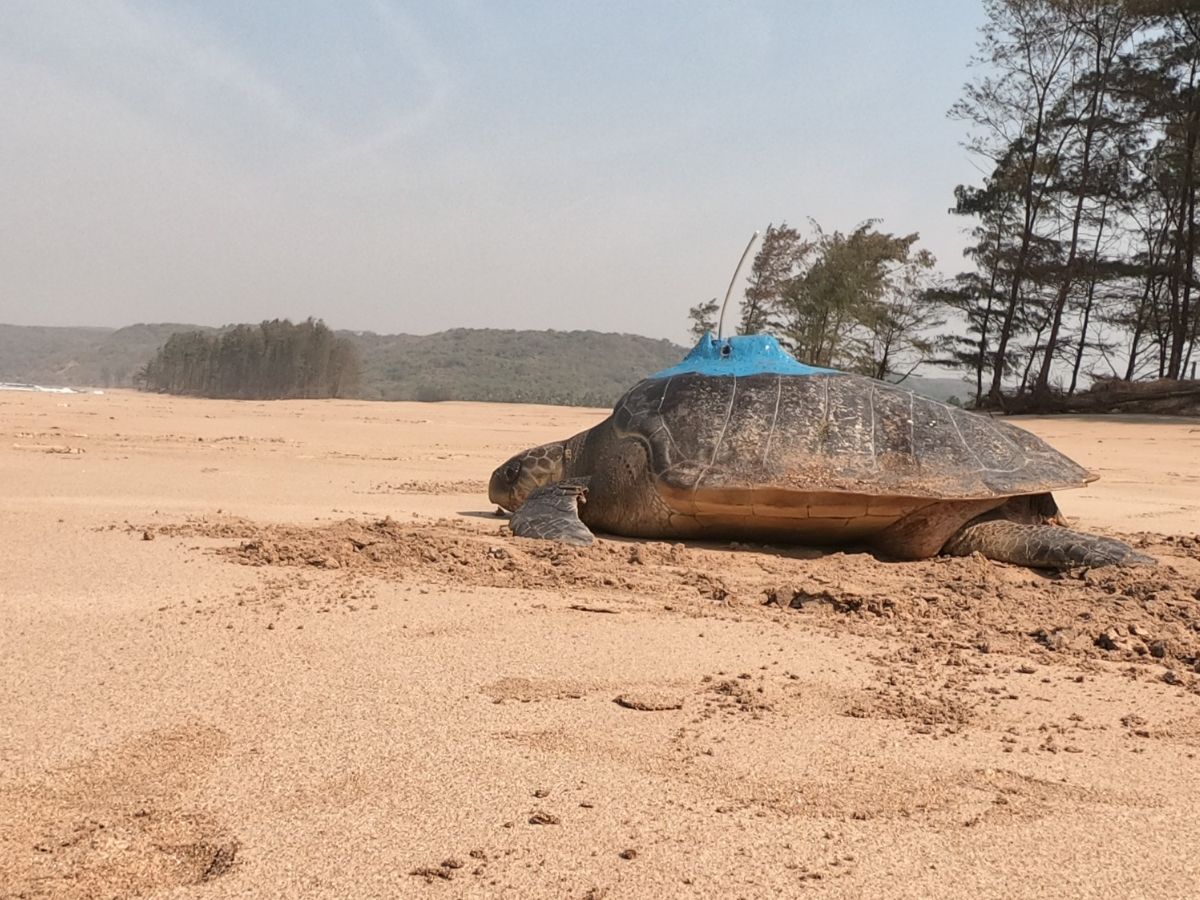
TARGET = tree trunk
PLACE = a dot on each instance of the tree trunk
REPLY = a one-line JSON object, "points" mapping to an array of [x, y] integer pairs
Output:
{"points": [[1091, 296], [986, 322], [1139, 327], [1033, 205], [1187, 226], [1083, 329], [1085, 166], [1014, 297], [1037, 344]]}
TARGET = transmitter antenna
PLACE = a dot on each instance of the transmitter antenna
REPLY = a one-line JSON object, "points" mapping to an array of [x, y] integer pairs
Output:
{"points": [[732, 282]]}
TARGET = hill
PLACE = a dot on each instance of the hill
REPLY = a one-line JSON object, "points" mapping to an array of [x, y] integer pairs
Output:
{"points": [[569, 368], [81, 357], [957, 390], [576, 368]]}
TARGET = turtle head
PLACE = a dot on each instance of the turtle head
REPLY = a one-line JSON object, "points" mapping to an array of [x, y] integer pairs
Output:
{"points": [[526, 472]]}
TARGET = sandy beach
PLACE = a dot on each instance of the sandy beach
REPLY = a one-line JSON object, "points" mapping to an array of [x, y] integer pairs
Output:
{"points": [[288, 650]]}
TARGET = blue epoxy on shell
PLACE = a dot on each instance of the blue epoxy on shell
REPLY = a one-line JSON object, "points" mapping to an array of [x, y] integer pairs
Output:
{"points": [[745, 354]]}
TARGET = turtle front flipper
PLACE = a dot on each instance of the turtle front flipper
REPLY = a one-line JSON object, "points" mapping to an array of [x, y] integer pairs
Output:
{"points": [[1042, 546], [551, 513]]}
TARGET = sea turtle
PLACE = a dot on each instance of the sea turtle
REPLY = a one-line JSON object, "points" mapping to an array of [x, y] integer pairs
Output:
{"points": [[740, 441]]}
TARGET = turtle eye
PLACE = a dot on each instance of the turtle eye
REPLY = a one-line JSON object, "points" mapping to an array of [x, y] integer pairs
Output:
{"points": [[511, 471]]}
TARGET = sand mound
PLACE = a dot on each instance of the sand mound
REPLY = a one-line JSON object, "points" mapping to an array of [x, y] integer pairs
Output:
{"points": [[945, 604]]}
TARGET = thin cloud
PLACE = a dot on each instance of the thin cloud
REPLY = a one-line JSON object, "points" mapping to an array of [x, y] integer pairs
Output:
{"points": [[389, 166], [413, 49], [147, 57]]}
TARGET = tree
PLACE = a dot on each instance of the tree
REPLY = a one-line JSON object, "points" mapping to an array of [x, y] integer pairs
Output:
{"points": [[274, 360], [703, 317], [1169, 76], [1103, 30], [1027, 48], [1088, 121], [857, 301], [782, 250], [975, 298]]}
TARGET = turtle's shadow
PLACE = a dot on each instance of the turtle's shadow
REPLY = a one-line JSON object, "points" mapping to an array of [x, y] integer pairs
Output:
{"points": [[786, 551], [783, 551], [789, 551]]}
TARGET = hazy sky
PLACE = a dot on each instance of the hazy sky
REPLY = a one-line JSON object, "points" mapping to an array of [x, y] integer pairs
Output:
{"points": [[411, 167]]}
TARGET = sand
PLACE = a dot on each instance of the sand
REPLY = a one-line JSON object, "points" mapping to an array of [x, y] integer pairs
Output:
{"points": [[286, 649]]}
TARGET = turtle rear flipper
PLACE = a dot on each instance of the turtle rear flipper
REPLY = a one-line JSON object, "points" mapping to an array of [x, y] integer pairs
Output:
{"points": [[551, 513], [1042, 546]]}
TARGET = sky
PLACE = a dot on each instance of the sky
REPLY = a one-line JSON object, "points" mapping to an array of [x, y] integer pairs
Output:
{"points": [[412, 167]]}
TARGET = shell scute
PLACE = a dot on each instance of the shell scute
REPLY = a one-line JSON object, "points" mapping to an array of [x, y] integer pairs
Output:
{"points": [[830, 433]]}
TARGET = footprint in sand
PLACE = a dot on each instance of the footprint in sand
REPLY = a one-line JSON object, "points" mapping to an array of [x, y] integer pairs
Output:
{"points": [[116, 824], [531, 690]]}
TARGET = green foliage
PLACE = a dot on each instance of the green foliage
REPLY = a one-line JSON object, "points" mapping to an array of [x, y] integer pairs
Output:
{"points": [[703, 317], [569, 368], [434, 393], [566, 368], [782, 250], [1086, 118], [856, 301], [272, 361], [97, 357]]}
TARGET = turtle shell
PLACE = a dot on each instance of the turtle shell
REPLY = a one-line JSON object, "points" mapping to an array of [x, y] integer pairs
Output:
{"points": [[830, 433]]}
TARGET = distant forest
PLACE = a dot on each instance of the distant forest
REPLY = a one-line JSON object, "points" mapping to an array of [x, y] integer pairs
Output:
{"points": [[275, 360], [566, 368]]}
